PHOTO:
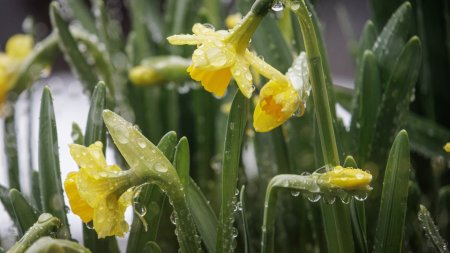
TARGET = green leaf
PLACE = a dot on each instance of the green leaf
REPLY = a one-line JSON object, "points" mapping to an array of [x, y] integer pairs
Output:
{"points": [[182, 161], [431, 230], [444, 208], [203, 215], [365, 112], [153, 199], [77, 134], [398, 92], [25, 214], [10, 144], [151, 247], [391, 217], [52, 195], [230, 167], [427, 137], [358, 215], [95, 128], [368, 37], [382, 10], [35, 185], [69, 47], [242, 209], [389, 45], [47, 244], [81, 13], [4, 198]]}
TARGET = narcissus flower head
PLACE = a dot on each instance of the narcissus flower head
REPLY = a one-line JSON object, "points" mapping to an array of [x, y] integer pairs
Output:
{"points": [[17, 48], [346, 178], [98, 192], [283, 97], [221, 55], [447, 147]]}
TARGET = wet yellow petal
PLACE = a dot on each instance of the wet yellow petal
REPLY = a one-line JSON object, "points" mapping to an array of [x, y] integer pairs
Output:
{"points": [[141, 75], [277, 103], [213, 81], [214, 56], [241, 73], [77, 204], [232, 20], [447, 147], [109, 217], [19, 46], [185, 39], [89, 157], [347, 178]]}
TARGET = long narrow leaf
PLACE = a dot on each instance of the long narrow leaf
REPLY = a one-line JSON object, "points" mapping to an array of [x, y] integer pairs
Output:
{"points": [[26, 215], [432, 232], [391, 218], [52, 196], [10, 143], [70, 49], [231, 157]]}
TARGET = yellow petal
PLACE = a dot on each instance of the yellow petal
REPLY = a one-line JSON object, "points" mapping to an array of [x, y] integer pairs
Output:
{"points": [[89, 157], [213, 81], [185, 39], [243, 76], [109, 217], [348, 178], [214, 56], [77, 204], [264, 68], [447, 147], [277, 103], [19, 46], [232, 20]]}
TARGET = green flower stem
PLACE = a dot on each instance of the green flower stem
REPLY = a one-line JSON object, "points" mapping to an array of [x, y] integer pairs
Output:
{"points": [[149, 165], [172, 186], [319, 89], [296, 182], [336, 219], [10, 144], [45, 225]]}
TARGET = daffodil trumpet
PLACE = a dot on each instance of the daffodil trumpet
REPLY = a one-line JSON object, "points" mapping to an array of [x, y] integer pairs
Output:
{"points": [[223, 54], [327, 182], [282, 98], [159, 69]]}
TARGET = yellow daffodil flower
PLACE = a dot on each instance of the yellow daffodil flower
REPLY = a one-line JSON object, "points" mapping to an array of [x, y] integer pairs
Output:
{"points": [[223, 54], [232, 20], [447, 147], [283, 97], [18, 47], [346, 178], [98, 192]]}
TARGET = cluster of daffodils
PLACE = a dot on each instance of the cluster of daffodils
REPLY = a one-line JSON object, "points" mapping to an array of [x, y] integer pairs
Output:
{"points": [[98, 193], [17, 48], [223, 54]]}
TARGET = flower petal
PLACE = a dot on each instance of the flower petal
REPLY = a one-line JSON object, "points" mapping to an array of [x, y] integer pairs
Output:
{"points": [[19, 46], [277, 103], [214, 56], [241, 73], [213, 81], [89, 157], [185, 39], [109, 218], [77, 204]]}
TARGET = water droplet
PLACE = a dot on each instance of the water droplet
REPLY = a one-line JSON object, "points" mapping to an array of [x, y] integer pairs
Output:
{"points": [[139, 208], [313, 197], [44, 217], [360, 196], [173, 218], [329, 199], [345, 198], [160, 168], [141, 142], [295, 5], [231, 125], [234, 232], [277, 6], [122, 134], [90, 225], [295, 193]]}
